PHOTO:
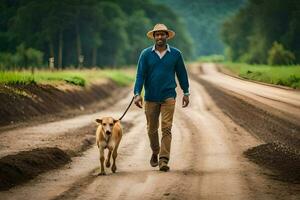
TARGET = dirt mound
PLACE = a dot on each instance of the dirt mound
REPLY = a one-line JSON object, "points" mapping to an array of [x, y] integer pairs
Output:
{"points": [[21, 167], [281, 159], [22, 102]]}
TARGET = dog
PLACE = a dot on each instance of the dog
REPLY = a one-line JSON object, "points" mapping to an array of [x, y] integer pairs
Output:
{"points": [[108, 135]]}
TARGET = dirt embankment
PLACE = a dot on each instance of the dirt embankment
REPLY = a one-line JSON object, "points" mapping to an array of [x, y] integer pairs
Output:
{"points": [[281, 153], [15, 169], [24, 102]]}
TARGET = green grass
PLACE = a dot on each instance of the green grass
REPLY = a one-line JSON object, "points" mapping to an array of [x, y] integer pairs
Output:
{"points": [[76, 77], [16, 78], [211, 58], [279, 75], [75, 80], [119, 77]]}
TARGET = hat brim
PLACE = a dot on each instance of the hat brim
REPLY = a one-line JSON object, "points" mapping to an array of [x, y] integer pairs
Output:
{"points": [[170, 33]]}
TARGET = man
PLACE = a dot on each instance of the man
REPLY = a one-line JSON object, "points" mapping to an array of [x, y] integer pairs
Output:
{"points": [[156, 71]]}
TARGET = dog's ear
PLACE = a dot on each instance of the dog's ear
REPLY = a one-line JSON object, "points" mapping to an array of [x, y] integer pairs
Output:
{"points": [[99, 121], [116, 120]]}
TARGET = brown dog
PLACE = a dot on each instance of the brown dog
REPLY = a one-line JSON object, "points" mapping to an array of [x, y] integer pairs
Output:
{"points": [[108, 135]]}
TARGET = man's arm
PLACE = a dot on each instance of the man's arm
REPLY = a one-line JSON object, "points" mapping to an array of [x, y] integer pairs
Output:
{"points": [[182, 76], [139, 82]]}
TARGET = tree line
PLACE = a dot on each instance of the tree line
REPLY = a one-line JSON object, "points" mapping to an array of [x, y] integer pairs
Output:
{"points": [[264, 31], [82, 32], [203, 20]]}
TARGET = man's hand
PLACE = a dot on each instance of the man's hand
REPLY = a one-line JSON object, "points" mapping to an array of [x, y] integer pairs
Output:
{"points": [[185, 101], [138, 101]]}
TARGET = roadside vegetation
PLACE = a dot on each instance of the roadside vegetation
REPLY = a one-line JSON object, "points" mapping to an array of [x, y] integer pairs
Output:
{"points": [[279, 75], [261, 33], [216, 58], [203, 20], [267, 53], [122, 77], [82, 33]]}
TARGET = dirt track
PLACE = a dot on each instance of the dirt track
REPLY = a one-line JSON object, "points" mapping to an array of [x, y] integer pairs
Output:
{"points": [[207, 159]]}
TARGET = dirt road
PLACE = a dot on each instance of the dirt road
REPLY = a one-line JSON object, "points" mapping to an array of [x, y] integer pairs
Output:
{"points": [[207, 159]]}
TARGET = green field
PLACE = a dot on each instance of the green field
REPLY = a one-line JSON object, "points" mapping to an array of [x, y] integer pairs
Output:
{"points": [[76, 77], [279, 75], [212, 58]]}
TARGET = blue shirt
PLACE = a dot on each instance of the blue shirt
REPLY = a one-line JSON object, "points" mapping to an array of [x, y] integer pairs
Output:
{"points": [[157, 75]]}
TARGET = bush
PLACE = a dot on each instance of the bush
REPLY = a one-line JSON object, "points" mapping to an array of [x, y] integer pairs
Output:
{"points": [[23, 58], [279, 56], [6, 61], [293, 81], [76, 80], [34, 57], [28, 57]]}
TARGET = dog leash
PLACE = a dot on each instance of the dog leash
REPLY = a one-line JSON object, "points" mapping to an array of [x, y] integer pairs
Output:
{"points": [[127, 108]]}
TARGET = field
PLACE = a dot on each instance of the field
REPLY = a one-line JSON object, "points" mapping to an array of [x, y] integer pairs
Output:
{"points": [[279, 75], [76, 77]]}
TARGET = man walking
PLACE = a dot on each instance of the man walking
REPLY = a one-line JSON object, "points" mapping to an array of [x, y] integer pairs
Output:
{"points": [[156, 71]]}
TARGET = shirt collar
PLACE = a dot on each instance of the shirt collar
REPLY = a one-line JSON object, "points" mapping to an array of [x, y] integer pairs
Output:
{"points": [[168, 48]]}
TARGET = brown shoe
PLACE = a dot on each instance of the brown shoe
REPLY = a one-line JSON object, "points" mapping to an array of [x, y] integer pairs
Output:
{"points": [[164, 167], [154, 160]]}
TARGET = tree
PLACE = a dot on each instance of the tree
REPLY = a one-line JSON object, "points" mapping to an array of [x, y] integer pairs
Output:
{"points": [[251, 33], [97, 29], [203, 19], [138, 25], [113, 33]]}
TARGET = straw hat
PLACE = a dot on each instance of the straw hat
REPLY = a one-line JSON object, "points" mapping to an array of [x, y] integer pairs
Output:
{"points": [[160, 27]]}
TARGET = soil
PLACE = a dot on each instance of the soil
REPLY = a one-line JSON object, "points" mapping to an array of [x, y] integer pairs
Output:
{"points": [[281, 152], [33, 104], [29, 102], [55, 152], [283, 161], [259, 122], [25, 165], [206, 159]]}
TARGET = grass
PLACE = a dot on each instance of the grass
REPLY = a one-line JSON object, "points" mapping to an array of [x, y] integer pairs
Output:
{"points": [[119, 77], [16, 78], [75, 80], [279, 75], [122, 77], [211, 58]]}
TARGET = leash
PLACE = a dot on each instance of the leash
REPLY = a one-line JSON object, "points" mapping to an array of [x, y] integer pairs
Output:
{"points": [[127, 109]]}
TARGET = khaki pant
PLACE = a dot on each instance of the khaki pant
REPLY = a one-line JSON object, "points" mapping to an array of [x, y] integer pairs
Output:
{"points": [[153, 111]]}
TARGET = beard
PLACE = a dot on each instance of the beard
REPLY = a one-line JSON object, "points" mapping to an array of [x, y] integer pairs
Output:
{"points": [[161, 42]]}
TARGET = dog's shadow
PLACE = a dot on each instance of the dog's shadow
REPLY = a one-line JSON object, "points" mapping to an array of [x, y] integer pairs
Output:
{"points": [[148, 172], [123, 173]]}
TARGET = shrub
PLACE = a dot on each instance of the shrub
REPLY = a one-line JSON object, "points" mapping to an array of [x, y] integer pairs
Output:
{"points": [[76, 80], [6, 61], [293, 81], [24, 57], [34, 57], [277, 55]]}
